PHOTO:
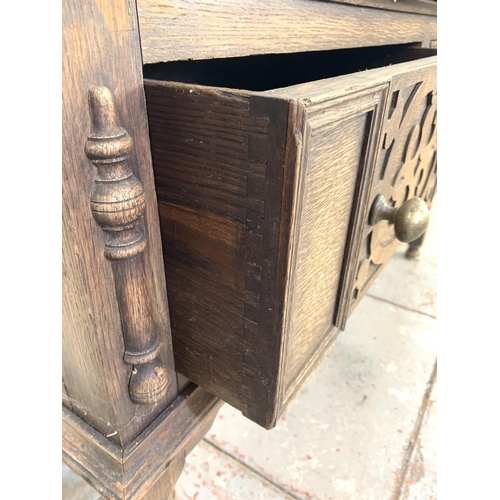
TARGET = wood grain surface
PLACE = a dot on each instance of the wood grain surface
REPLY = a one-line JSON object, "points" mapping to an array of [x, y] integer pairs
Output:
{"points": [[257, 195], [406, 168], [101, 48], [150, 465], [415, 6], [416, 103], [117, 202], [164, 487], [180, 29], [339, 138], [218, 158]]}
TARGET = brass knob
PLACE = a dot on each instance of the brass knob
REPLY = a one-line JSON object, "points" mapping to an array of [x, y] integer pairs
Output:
{"points": [[410, 219]]}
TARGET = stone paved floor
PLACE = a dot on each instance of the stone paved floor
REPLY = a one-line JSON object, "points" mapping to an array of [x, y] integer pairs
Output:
{"points": [[363, 428]]}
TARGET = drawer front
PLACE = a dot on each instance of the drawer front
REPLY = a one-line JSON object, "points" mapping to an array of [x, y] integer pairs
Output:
{"points": [[406, 167], [339, 136], [263, 201]]}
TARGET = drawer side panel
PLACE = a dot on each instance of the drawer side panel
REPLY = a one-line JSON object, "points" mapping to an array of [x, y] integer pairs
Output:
{"points": [[218, 159]]}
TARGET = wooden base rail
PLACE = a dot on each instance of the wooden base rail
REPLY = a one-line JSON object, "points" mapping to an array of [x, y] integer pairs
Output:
{"points": [[151, 462]]}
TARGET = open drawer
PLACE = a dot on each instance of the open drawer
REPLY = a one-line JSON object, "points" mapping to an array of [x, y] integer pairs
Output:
{"points": [[265, 196]]}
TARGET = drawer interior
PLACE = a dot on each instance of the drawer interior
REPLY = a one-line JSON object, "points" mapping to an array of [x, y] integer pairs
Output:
{"points": [[271, 71]]}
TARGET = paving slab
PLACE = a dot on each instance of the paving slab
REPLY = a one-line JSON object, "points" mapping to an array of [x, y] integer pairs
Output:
{"points": [[212, 475], [207, 475], [421, 479], [75, 488], [346, 434]]}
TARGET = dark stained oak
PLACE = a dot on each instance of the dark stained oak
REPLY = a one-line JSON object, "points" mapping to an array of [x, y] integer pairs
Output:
{"points": [[221, 238], [339, 138], [127, 439], [163, 488], [263, 198]]}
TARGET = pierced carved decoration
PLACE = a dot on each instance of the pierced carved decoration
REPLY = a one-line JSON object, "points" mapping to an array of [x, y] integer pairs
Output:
{"points": [[117, 202], [406, 168]]}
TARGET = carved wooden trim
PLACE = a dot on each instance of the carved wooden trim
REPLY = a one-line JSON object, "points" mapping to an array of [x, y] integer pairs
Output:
{"points": [[368, 160], [406, 167], [117, 202]]}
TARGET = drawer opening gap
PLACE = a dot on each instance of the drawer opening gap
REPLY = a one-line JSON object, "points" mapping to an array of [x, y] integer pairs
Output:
{"points": [[271, 71]]}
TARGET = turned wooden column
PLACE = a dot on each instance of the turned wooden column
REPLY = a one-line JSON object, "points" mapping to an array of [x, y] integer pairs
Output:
{"points": [[117, 202]]}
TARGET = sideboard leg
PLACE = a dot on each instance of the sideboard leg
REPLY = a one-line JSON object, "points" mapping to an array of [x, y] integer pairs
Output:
{"points": [[164, 488], [413, 250]]}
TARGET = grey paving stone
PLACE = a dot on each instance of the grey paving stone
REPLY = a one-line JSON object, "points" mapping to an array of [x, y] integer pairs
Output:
{"points": [[346, 434], [75, 488], [211, 475], [421, 479]]}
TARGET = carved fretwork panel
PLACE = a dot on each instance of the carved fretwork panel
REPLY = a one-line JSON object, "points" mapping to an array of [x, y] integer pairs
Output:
{"points": [[406, 166]]}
